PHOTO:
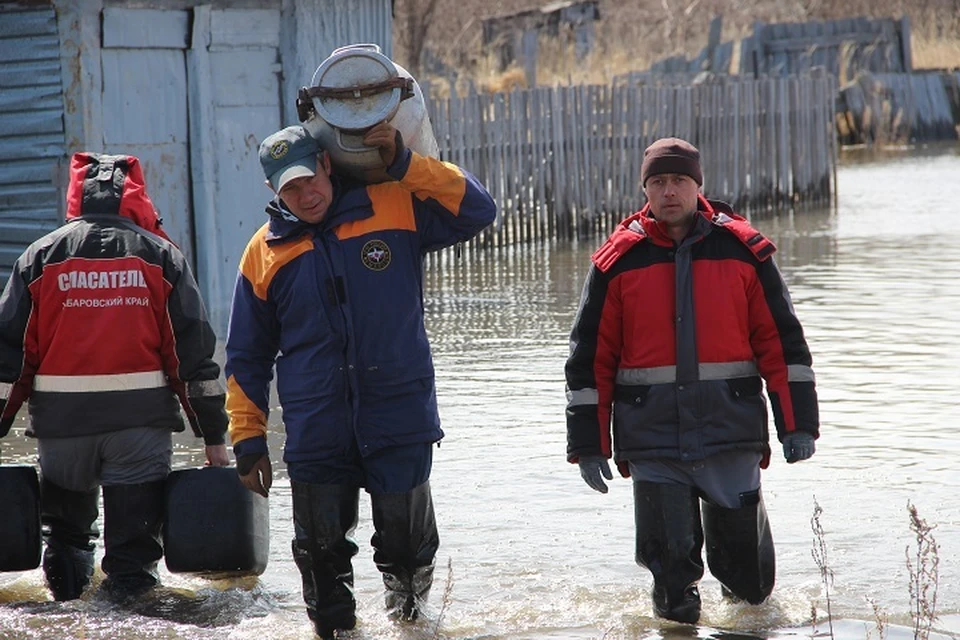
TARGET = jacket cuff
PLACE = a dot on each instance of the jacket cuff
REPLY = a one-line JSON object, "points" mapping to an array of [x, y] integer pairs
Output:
{"points": [[400, 164], [5, 424], [211, 440], [254, 445], [211, 419]]}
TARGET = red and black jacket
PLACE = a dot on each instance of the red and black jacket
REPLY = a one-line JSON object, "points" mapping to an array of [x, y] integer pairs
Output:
{"points": [[102, 326], [671, 342]]}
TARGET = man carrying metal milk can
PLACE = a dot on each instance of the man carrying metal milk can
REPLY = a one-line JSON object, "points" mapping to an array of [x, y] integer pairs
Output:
{"points": [[330, 292], [103, 329], [683, 312]]}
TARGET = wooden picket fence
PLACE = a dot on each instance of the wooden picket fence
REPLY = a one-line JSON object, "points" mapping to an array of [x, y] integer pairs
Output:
{"points": [[564, 162]]}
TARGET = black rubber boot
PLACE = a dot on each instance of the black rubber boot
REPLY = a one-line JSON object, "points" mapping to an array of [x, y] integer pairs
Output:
{"points": [[132, 517], [740, 549], [69, 528], [669, 544], [405, 544], [324, 518]]}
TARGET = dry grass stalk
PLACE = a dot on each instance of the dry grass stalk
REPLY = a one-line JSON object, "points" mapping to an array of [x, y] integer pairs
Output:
{"points": [[880, 616], [923, 565], [445, 600], [924, 568], [819, 553]]}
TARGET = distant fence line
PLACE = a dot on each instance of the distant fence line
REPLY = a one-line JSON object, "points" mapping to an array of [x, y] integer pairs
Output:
{"points": [[564, 162], [844, 47], [881, 108]]}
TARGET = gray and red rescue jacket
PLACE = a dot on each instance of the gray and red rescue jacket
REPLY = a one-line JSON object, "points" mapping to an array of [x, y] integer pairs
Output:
{"points": [[102, 326], [671, 341]]}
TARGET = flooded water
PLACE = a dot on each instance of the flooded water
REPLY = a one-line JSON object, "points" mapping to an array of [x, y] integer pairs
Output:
{"points": [[528, 551]]}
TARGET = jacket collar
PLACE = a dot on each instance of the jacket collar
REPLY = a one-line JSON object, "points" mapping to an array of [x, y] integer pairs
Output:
{"points": [[653, 230], [350, 202], [642, 225]]}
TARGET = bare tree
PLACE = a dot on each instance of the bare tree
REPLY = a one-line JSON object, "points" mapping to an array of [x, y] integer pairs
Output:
{"points": [[416, 18]]}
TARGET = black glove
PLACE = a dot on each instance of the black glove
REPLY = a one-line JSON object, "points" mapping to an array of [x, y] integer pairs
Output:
{"points": [[798, 446]]}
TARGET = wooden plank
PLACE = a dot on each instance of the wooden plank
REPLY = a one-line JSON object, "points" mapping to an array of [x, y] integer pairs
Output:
{"points": [[520, 164], [572, 137], [145, 29], [238, 28], [558, 199], [906, 51], [783, 142], [495, 145], [803, 42], [537, 126], [735, 131]]}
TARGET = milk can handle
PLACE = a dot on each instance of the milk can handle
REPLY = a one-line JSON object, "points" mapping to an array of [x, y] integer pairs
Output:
{"points": [[351, 47], [348, 148], [345, 93], [306, 95]]}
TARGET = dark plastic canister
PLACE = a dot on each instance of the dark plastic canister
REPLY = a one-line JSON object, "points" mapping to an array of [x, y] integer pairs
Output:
{"points": [[214, 524], [20, 524]]}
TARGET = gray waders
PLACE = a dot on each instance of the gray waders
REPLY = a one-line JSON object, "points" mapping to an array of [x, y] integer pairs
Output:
{"points": [[324, 518], [670, 539], [132, 518], [669, 544], [69, 528], [405, 544], [740, 550]]}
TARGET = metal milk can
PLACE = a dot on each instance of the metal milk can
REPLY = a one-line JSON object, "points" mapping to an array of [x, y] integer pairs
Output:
{"points": [[355, 88]]}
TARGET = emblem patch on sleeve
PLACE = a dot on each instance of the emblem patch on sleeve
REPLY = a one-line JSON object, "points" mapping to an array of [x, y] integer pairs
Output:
{"points": [[375, 255]]}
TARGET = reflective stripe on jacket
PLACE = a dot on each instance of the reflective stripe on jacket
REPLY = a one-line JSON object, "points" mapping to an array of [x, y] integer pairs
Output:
{"points": [[670, 343]]}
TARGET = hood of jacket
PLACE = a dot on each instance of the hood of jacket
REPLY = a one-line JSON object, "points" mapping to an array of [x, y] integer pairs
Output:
{"points": [[111, 184]]}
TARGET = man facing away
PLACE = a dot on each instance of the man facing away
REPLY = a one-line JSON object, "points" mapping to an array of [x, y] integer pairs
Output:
{"points": [[330, 292], [683, 312], [103, 329]]}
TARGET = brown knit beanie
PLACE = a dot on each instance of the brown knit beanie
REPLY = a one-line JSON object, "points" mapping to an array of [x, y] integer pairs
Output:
{"points": [[671, 155]]}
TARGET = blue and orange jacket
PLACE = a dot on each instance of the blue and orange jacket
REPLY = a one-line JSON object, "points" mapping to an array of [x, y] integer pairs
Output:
{"points": [[338, 309], [671, 342]]}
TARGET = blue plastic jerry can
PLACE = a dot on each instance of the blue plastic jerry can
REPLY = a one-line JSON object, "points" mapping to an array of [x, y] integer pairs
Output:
{"points": [[20, 525], [213, 524]]}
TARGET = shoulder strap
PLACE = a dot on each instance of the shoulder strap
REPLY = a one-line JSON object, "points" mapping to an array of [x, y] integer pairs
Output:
{"points": [[628, 233], [758, 243]]}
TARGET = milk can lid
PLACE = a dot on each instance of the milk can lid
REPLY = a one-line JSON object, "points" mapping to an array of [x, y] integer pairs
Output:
{"points": [[356, 66]]}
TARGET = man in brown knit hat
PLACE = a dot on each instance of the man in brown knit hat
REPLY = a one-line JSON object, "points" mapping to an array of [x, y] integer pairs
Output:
{"points": [[684, 314]]}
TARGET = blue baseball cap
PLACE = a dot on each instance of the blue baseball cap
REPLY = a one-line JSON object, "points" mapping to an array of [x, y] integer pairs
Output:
{"points": [[287, 154]]}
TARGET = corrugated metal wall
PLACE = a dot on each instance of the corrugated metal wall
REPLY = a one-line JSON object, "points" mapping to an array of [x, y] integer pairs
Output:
{"points": [[32, 148]]}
